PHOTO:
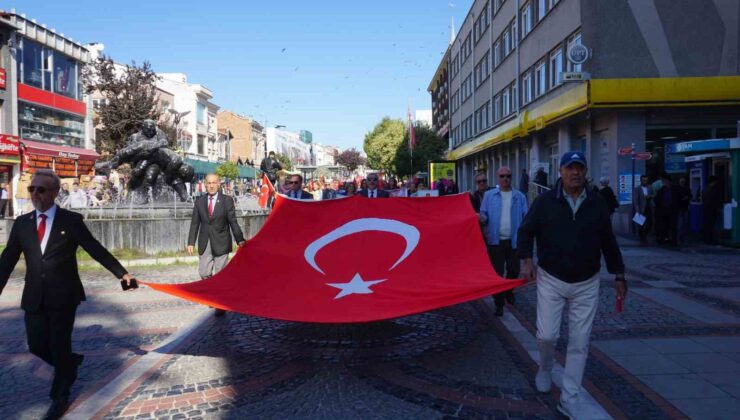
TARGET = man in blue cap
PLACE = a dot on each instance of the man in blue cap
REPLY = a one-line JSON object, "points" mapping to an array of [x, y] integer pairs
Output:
{"points": [[573, 229]]}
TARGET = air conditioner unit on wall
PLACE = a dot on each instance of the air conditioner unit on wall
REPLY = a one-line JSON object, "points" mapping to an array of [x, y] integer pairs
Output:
{"points": [[572, 76]]}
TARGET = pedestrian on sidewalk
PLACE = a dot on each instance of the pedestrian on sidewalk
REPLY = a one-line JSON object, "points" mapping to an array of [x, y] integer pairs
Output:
{"points": [[642, 203], [667, 206], [683, 211], [213, 223], [607, 193], [712, 199], [524, 182], [572, 228], [502, 211], [48, 238]]}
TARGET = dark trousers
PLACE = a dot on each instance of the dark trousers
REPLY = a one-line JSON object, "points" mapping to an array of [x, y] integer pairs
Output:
{"points": [[645, 228], [49, 335], [3, 206], [666, 226], [708, 224], [505, 262]]}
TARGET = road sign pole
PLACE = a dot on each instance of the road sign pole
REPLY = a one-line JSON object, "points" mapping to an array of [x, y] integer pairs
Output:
{"points": [[633, 171]]}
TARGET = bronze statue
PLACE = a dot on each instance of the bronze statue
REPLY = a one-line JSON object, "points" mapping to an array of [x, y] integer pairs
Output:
{"points": [[151, 160]]}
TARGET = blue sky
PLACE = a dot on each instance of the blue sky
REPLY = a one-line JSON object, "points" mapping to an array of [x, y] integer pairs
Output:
{"points": [[331, 67]]}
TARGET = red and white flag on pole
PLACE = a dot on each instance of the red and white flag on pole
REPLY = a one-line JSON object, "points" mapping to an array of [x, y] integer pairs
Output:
{"points": [[412, 132], [266, 191], [354, 260]]}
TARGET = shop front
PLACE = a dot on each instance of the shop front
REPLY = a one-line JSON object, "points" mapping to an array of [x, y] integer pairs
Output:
{"points": [[719, 159], [67, 162], [9, 165]]}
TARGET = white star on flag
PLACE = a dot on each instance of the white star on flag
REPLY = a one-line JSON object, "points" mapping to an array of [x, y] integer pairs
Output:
{"points": [[356, 286]]}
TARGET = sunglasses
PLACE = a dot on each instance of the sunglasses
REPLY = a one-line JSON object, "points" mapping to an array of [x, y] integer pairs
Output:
{"points": [[40, 190], [372, 180], [482, 181], [505, 176]]}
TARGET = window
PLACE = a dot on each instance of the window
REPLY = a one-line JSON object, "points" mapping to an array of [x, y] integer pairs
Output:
{"points": [[482, 70], [507, 42], [50, 126], [507, 102], [201, 114], [556, 66], [497, 107], [496, 53], [201, 144], [514, 35], [574, 40], [65, 75], [527, 87], [497, 5], [481, 24], [32, 67], [541, 9], [455, 65], [553, 3], [467, 48], [541, 77], [482, 117], [526, 19], [514, 98]]}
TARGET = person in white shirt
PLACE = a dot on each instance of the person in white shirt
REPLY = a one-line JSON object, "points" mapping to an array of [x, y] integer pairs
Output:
{"points": [[3, 199], [78, 197]]}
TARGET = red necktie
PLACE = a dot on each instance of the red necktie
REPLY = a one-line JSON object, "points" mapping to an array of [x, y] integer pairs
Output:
{"points": [[210, 206], [42, 228]]}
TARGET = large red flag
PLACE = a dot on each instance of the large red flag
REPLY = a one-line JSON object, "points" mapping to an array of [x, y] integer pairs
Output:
{"points": [[266, 191], [354, 260]]}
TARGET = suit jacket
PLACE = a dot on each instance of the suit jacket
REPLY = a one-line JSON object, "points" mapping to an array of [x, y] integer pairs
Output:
{"points": [[640, 201], [304, 195], [214, 228], [52, 278], [381, 193], [329, 194]]}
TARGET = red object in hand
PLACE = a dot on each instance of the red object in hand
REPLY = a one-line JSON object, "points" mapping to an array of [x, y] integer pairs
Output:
{"points": [[619, 306]]}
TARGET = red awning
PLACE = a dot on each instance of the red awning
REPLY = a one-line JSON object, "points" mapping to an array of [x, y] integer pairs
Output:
{"points": [[44, 149]]}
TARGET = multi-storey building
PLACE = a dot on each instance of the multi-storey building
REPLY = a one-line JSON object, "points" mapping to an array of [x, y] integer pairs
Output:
{"points": [[531, 79], [289, 144], [44, 104], [241, 128], [439, 88]]}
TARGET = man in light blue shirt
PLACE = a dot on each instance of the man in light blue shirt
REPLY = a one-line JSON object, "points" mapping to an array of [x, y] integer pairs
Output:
{"points": [[502, 211]]}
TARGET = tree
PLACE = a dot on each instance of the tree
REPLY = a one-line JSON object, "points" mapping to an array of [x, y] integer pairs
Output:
{"points": [[284, 161], [227, 170], [167, 124], [382, 143], [130, 97], [350, 159], [429, 146]]}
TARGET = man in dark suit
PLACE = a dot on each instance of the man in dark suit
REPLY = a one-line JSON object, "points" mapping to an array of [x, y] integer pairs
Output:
{"points": [[214, 214], [642, 202], [372, 190], [296, 188], [48, 239]]}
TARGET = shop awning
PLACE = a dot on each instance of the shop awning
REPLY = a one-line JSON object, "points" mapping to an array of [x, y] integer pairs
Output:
{"points": [[247, 172], [43, 149]]}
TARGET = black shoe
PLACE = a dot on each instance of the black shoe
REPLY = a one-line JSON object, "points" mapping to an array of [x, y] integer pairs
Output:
{"points": [[219, 312], [57, 408], [510, 298], [499, 311]]}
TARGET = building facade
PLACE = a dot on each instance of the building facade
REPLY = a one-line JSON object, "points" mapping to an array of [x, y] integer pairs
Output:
{"points": [[289, 144], [242, 142], [45, 109], [439, 88], [531, 79]]}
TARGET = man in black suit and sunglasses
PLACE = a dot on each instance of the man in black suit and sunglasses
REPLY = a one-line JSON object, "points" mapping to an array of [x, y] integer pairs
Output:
{"points": [[48, 238]]}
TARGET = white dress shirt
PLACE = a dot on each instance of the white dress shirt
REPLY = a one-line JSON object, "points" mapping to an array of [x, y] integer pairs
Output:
{"points": [[50, 213], [372, 193]]}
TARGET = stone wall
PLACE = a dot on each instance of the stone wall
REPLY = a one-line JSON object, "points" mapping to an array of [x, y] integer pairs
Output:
{"points": [[150, 235]]}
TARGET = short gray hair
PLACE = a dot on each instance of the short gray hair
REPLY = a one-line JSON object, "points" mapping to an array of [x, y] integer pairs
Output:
{"points": [[604, 181], [56, 182]]}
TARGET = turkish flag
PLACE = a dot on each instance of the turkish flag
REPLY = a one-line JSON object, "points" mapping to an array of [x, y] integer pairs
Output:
{"points": [[354, 260], [266, 191]]}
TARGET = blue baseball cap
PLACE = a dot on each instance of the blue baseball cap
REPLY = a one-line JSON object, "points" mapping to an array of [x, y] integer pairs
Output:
{"points": [[573, 157]]}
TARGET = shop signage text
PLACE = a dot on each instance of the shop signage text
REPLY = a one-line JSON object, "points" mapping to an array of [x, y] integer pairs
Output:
{"points": [[9, 145], [69, 155], [625, 151], [2, 79], [578, 54], [699, 146]]}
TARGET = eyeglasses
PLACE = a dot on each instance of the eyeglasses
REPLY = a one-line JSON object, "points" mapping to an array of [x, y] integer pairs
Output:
{"points": [[372, 180], [40, 190], [482, 181], [293, 182], [505, 176]]}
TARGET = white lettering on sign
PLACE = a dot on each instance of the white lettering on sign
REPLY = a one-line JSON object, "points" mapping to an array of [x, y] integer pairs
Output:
{"points": [[69, 155], [6, 147]]}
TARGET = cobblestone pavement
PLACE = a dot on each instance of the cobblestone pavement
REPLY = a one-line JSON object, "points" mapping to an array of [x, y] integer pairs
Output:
{"points": [[674, 350]]}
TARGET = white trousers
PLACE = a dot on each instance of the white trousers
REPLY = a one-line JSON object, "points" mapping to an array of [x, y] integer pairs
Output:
{"points": [[583, 299]]}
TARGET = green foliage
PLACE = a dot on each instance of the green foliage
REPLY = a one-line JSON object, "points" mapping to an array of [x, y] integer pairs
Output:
{"points": [[131, 97], [284, 161], [429, 146], [382, 143], [350, 159], [227, 170]]}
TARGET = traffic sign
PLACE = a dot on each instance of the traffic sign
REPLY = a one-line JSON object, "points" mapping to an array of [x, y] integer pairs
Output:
{"points": [[643, 155], [625, 151]]}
